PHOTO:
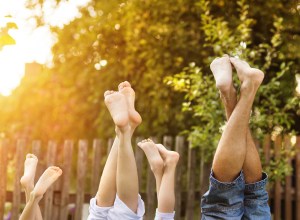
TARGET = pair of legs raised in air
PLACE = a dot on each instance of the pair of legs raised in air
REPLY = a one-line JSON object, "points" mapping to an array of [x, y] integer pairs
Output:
{"points": [[163, 164], [35, 193], [237, 183]]}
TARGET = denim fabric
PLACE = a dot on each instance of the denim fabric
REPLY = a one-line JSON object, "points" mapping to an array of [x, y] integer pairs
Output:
{"points": [[235, 200], [256, 197]]}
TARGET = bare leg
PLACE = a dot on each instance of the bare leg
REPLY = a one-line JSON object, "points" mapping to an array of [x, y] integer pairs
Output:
{"points": [[166, 199], [49, 176], [231, 151], [108, 184], [155, 161], [27, 181], [252, 165]]}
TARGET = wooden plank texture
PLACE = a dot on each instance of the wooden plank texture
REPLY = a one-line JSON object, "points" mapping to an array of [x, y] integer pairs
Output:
{"points": [[189, 215], [277, 187], [19, 168], [48, 196], [179, 147], [66, 179], [297, 147], [167, 142], [205, 168], [150, 204], [96, 166], [288, 184], [81, 173], [267, 154], [139, 159], [3, 174]]}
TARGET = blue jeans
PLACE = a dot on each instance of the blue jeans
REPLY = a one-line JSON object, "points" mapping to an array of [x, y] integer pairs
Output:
{"points": [[236, 200]]}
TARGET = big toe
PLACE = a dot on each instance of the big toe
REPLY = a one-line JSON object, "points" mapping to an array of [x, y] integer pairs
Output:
{"points": [[237, 63], [108, 92], [123, 85], [31, 156]]}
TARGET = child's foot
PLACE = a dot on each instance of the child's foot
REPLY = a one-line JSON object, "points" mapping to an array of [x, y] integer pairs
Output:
{"points": [[250, 78], [170, 158], [153, 156], [27, 181], [116, 104], [222, 70], [46, 180], [134, 117]]}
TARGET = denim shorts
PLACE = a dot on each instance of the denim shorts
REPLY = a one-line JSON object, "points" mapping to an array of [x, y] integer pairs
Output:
{"points": [[236, 200]]}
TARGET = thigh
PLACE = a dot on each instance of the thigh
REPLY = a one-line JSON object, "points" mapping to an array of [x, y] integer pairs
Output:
{"points": [[122, 211], [256, 198], [98, 213], [224, 200]]}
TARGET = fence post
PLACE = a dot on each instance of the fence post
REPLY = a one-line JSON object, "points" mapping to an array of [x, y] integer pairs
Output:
{"points": [[48, 202], [189, 215], [204, 179], [179, 146], [21, 145], [110, 144], [139, 159], [288, 183], [267, 154], [96, 167], [150, 190], [297, 175], [277, 195], [3, 173], [167, 142], [67, 167], [81, 172]]}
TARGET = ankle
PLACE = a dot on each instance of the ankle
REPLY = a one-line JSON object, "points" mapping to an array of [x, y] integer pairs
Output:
{"points": [[35, 197]]}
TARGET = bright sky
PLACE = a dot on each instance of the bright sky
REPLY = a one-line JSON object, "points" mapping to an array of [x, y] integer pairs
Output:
{"points": [[32, 44]]}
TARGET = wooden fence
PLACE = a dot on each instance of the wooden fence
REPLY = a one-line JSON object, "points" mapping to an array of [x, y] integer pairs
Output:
{"points": [[284, 200]]}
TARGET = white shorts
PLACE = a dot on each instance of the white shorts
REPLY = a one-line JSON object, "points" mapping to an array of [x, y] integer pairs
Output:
{"points": [[119, 211], [164, 216]]}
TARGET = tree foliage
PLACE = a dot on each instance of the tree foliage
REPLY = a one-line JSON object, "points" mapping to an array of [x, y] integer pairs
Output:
{"points": [[5, 38]]}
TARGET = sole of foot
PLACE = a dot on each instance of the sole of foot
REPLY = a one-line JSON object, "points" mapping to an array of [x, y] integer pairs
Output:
{"points": [[29, 171], [155, 160], [49, 176], [222, 71], [248, 76], [117, 106], [134, 117], [170, 158]]}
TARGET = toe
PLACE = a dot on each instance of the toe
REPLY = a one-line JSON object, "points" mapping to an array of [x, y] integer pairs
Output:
{"points": [[107, 93], [121, 85], [127, 84], [246, 63], [225, 55]]}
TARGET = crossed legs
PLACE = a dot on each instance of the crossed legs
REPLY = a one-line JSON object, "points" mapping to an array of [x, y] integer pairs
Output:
{"points": [[236, 150], [35, 193], [120, 172], [163, 165]]}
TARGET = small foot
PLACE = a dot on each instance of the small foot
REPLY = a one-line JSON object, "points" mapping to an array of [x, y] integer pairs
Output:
{"points": [[27, 181], [170, 158]]}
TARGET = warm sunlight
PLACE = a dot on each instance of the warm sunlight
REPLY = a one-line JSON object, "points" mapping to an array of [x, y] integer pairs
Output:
{"points": [[32, 44]]}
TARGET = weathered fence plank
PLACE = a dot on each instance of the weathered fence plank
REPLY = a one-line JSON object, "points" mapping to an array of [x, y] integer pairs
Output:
{"points": [[139, 159], [277, 186], [48, 201], [189, 215], [81, 173], [96, 166], [267, 154], [167, 142], [150, 190], [66, 179], [109, 145], [179, 147], [288, 183], [21, 145], [297, 147], [204, 179], [3, 174]]}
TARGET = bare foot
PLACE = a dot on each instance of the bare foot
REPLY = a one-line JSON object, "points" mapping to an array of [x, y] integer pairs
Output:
{"points": [[170, 158], [48, 177], [134, 117], [116, 104], [27, 181], [250, 78], [153, 156], [222, 70]]}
